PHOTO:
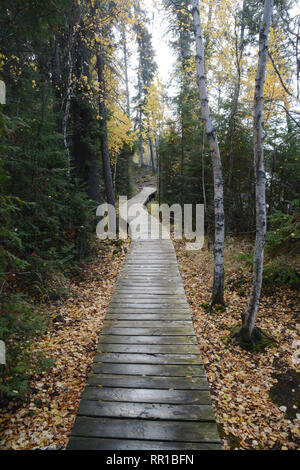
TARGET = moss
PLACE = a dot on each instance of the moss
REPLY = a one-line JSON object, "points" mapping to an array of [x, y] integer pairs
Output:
{"points": [[205, 305], [219, 308], [215, 308], [227, 340], [259, 342]]}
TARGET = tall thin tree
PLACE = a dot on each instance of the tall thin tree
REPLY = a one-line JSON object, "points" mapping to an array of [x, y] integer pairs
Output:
{"points": [[248, 331], [110, 194], [218, 284]]}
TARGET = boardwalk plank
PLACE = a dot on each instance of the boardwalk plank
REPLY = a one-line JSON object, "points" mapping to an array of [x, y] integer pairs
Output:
{"points": [[146, 316], [147, 309], [147, 388], [147, 395], [81, 443], [146, 411], [146, 324], [144, 339], [153, 358], [136, 381], [150, 348], [148, 369], [146, 429], [162, 331]]}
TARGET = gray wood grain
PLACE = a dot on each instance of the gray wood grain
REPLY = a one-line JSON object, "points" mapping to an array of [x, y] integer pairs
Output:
{"points": [[146, 429], [147, 389]]}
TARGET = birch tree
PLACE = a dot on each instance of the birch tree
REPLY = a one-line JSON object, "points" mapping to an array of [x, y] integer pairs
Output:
{"points": [[249, 332], [218, 284]]}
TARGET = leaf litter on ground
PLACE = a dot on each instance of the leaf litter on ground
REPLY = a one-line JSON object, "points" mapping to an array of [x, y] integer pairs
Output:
{"points": [[47, 416], [244, 384]]}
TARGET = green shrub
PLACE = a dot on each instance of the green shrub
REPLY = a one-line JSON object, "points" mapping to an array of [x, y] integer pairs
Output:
{"points": [[19, 326], [284, 232], [279, 274], [246, 259]]}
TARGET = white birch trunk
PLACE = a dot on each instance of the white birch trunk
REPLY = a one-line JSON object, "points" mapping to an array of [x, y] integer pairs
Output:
{"points": [[126, 73], [250, 317], [67, 107], [218, 286]]}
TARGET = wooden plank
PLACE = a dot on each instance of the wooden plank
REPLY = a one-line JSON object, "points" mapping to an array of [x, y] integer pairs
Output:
{"points": [[147, 324], [147, 389], [146, 299], [150, 348], [142, 277], [149, 369], [134, 283], [146, 411], [162, 331], [136, 358], [146, 303], [153, 253], [151, 299], [147, 429], [146, 309], [151, 270], [136, 381], [157, 278], [144, 339], [169, 288], [195, 397], [81, 443], [166, 257], [147, 316], [157, 282]]}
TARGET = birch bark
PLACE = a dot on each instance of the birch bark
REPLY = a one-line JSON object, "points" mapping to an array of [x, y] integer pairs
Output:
{"points": [[67, 107], [248, 325], [218, 285]]}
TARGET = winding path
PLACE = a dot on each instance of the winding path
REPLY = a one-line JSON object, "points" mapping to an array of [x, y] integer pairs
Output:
{"points": [[147, 389]]}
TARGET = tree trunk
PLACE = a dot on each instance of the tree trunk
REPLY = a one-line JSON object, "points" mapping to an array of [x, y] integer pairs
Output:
{"points": [[141, 126], [67, 107], [248, 325], [239, 48], [218, 285], [115, 172], [157, 138], [126, 73], [203, 171], [141, 141], [110, 196], [152, 155]]}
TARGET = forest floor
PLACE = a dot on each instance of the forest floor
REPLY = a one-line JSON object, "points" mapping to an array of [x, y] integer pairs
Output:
{"points": [[256, 395], [47, 417]]}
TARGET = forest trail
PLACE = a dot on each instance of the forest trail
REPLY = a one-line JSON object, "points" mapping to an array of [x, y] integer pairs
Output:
{"points": [[148, 388]]}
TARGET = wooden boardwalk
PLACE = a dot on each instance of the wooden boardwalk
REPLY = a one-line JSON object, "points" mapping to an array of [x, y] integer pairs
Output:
{"points": [[147, 389]]}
